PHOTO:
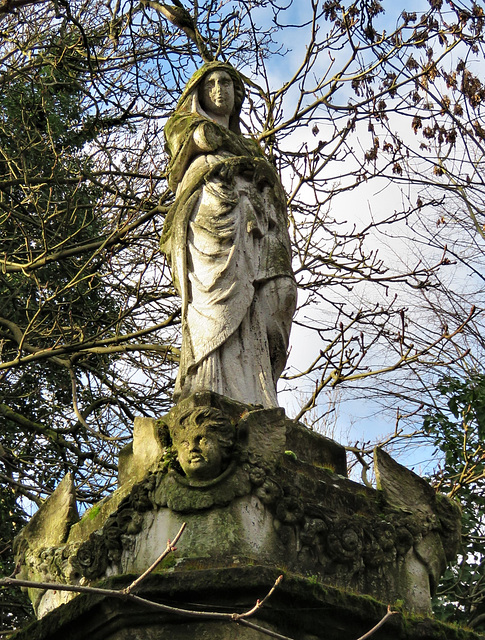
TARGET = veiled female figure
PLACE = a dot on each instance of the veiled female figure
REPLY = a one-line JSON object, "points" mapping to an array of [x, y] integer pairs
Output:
{"points": [[227, 241]]}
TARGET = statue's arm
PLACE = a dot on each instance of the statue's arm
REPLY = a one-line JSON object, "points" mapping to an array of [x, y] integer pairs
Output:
{"points": [[187, 137], [206, 138]]}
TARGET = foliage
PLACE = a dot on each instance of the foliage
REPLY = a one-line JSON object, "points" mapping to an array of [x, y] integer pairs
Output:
{"points": [[459, 434], [43, 207], [15, 607]]}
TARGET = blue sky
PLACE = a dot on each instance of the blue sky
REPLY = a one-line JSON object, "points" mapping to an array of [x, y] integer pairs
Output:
{"points": [[357, 419]]}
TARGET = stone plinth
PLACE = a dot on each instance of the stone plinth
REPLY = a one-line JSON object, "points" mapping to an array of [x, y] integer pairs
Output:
{"points": [[300, 608], [276, 496]]}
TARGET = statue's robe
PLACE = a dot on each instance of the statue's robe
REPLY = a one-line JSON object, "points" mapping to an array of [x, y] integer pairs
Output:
{"points": [[227, 241]]}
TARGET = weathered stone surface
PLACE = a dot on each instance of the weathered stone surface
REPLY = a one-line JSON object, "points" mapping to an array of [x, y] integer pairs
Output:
{"points": [[315, 449], [270, 498], [147, 446], [141, 455], [405, 490], [243, 532], [401, 486], [38, 548], [51, 524], [95, 517], [300, 608], [126, 464]]}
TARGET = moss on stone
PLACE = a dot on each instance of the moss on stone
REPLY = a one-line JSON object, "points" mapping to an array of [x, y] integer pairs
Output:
{"points": [[300, 606]]}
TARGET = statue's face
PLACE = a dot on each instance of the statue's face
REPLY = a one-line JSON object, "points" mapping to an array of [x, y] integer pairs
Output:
{"points": [[217, 95], [199, 453]]}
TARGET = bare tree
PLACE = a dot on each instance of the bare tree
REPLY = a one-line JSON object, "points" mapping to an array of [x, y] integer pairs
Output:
{"points": [[372, 103]]}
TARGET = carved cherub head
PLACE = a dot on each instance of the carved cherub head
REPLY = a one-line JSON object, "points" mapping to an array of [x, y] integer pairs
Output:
{"points": [[203, 440]]}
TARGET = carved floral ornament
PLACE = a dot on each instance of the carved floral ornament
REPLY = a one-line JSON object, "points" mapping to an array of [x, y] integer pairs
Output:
{"points": [[235, 462], [220, 453]]}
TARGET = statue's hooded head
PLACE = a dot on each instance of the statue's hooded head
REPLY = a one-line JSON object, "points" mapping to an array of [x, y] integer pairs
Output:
{"points": [[190, 98]]}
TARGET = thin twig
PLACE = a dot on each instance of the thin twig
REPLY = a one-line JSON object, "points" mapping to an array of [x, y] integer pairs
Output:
{"points": [[124, 594], [379, 624], [169, 549], [121, 594], [259, 603], [268, 632]]}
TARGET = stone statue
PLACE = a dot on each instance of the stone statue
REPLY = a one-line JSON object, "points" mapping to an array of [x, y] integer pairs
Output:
{"points": [[227, 241]]}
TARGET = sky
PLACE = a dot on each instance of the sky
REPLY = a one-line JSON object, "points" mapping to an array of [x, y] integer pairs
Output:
{"points": [[349, 419]]}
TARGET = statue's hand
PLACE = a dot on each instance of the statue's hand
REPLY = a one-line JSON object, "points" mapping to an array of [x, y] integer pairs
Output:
{"points": [[206, 137]]}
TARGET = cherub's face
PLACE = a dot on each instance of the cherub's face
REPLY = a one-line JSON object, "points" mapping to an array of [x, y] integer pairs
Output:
{"points": [[217, 95], [198, 453]]}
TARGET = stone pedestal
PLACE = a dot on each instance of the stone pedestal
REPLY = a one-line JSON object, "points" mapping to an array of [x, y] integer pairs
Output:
{"points": [[279, 502], [300, 609]]}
